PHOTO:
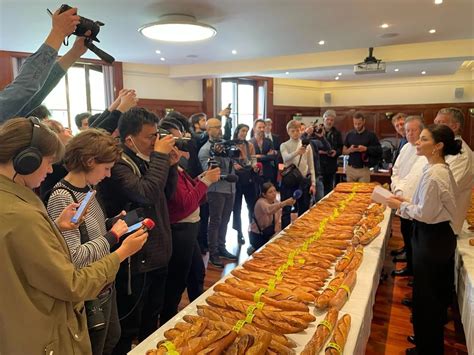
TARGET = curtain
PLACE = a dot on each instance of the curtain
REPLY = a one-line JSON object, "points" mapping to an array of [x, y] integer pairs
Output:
{"points": [[108, 84]]}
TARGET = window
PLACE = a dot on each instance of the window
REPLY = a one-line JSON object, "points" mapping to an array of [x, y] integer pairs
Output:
{"points": [[80, 90]]}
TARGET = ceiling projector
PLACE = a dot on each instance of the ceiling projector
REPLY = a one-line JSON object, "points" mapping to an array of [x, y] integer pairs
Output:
{"points": [[370, 65]]}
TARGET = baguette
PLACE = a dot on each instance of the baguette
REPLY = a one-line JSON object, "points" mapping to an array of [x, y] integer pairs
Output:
{"points": [[322, 333], [240, 346], [345, 260], [322, 301], [343, 293], [356, 260], [223, 343], [260, 346], [244, 295], [339, 338]]}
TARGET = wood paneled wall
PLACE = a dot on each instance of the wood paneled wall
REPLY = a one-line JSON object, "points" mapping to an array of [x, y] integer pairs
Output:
{"points": [[159, 107], [377, 117]]}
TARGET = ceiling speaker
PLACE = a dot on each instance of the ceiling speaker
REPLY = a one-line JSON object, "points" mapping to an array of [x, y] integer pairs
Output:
{"points": [[459, 93], [327, 97]]}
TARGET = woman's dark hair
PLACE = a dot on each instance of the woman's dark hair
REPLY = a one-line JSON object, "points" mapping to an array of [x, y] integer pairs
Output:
{"points": [[265, 187], [41, 112], [16, 134], [238, 128], [178, 116], [444, 134], [170, 123], [132, 121]]}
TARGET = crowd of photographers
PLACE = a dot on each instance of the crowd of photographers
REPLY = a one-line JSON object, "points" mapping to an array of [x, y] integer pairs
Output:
{"points": [[188, 175]]}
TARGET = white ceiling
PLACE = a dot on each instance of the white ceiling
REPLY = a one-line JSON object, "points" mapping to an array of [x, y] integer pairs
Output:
{"points": [[256, 29]]}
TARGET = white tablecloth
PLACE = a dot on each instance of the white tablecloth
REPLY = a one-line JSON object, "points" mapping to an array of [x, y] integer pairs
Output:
{"points": [[465, 285], [359, 306]]}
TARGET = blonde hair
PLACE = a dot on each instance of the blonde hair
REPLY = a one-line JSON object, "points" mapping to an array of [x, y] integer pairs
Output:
{"points": [[293, 124]]}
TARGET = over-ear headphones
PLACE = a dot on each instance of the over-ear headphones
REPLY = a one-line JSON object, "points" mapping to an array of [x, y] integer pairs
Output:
{"points": [[28, 160]]}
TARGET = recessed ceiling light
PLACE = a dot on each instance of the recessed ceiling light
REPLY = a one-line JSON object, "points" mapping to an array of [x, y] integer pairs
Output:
{"points": [[321, 43], [177, 28], [384, 25], [432, 30], [437, 2], [339, 74], [336, 78], [158, 51], [234, 51], [423, 72], [287, 72], [162, 59], [396, 69]]}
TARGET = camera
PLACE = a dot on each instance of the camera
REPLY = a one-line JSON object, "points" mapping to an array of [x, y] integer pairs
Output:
{"points": [[85, 25], [213, 163], [226, 149], [305, 142], [180, 143], [95, 314]]}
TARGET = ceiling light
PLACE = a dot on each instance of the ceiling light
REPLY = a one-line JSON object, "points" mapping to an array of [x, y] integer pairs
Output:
{"points": [[287, 73], [396, 69], [423, 72], [339, 74], [158, 51], [234, 51], [437, 2], [432, 30], [384, 25], [336, 78], [162, 59], [321, 43], [177, 28]]}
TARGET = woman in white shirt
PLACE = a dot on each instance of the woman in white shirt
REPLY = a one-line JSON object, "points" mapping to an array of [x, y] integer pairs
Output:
{"points": [[432, 209], [297, 152]]}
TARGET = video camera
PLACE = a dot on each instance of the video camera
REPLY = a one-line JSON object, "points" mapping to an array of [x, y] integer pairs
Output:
{"points": [[180, 142], [226, 149], [85, 25]]}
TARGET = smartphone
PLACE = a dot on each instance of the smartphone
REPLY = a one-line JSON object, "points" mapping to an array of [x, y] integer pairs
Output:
{"points": [[134, 216], [134, 227], [83, 206], [229, 106]]}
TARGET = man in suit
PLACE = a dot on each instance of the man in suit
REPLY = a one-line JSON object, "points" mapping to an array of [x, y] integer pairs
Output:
{"points": [[398, 122], [264, 151], [276, 147]]}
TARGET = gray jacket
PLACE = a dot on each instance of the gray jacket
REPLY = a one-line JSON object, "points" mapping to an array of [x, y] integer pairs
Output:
{"points": [[226, 166]]}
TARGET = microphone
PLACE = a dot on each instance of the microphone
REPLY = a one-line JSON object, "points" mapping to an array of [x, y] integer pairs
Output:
{"points": [[148, 224], [297, 194], [229, 178]]}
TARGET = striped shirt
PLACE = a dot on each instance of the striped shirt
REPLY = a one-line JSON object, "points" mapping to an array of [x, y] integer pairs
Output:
{"points": [[99, 242]]}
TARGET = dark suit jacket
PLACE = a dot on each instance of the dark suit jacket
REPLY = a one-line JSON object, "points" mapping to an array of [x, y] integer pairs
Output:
{"points": [[268, 161]]}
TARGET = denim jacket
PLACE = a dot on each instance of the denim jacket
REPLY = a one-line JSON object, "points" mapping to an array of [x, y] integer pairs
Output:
{"points": [[38, 76]]}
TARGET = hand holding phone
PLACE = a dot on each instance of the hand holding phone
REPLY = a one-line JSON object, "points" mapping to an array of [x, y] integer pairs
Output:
{"points": [[83, 207], [147, 224]]}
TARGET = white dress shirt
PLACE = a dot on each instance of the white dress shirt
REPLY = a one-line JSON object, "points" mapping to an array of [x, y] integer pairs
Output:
{"points": [[407, 171], [434, 200], [290, 156], [462, 169]]}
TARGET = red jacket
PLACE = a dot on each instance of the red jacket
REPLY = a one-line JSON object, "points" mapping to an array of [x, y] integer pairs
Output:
{"points": [[188, 196]]}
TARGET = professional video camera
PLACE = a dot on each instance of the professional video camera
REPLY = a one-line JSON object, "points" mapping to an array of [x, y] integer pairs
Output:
{"points": [[180, 143], [226, 149], [85, 25]]}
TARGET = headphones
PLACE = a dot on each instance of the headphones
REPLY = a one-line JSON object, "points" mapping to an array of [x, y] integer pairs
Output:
{"points": [[29, 159]]}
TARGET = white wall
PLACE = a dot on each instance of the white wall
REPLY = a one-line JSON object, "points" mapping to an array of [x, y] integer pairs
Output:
{"points": [[152, 82], [438, 89]]}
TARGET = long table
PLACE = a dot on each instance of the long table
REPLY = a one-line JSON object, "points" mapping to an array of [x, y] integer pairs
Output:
{"points": [[465, 284], [359, 305]]}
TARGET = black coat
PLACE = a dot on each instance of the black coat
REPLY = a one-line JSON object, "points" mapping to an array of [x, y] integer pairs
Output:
{"points": [[329, 164], [125, 190], [268, 161]]}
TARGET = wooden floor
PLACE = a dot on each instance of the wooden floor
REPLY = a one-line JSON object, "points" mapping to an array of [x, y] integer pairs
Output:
{"points": [[391, 320]]}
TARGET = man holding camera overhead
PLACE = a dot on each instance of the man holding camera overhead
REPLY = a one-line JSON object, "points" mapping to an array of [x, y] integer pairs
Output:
{"points": [[220, 195]]}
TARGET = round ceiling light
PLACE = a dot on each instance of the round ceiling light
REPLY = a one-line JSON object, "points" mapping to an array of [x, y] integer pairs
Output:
{"points": [[178, 28]]}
